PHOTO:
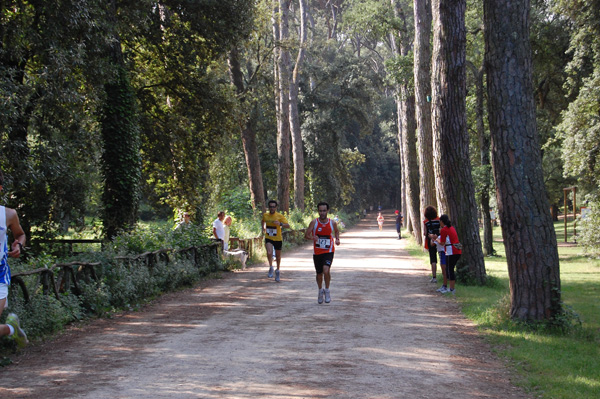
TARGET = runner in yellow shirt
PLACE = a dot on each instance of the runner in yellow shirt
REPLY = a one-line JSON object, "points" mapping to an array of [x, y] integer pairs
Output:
{"points": [[272, 223]]}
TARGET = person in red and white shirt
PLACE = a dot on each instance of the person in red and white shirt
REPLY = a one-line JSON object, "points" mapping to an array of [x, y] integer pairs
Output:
{"points": [[325, 236], [449, 238]]}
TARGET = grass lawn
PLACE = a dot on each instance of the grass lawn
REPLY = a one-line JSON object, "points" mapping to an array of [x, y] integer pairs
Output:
{"points": [[552, 364]]}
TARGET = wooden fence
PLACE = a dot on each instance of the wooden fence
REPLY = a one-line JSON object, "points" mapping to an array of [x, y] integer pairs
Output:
{"points": [[63, 277]]}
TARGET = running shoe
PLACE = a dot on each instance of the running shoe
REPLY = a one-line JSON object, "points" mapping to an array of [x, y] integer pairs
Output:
{"points": [[277, 275], [433, 280], [270, 275], [327, 296], [452, 292], [19, 335], [320, 297], [443, 289]]}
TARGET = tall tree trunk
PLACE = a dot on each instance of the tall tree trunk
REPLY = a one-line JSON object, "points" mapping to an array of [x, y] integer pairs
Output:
{"points": [[283, 129], [484, 153], [248, 136], [297, 147], [407, 125], [121, 163], [452, 164], [422, 72], [523, 206], [406, 110], [403, 209]]}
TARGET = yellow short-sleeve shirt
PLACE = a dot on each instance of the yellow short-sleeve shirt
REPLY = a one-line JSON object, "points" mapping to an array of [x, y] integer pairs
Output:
{"points": [[273, 231]]}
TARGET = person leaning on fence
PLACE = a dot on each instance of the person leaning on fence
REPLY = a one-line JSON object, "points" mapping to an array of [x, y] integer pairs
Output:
{"points": [[237, 253], [10, 220], [218, 227]]}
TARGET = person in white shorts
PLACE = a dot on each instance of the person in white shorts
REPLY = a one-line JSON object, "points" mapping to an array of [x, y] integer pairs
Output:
{"points": [[9, 220]]}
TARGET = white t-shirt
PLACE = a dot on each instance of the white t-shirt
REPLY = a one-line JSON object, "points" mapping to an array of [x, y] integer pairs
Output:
{"points": [[220, 230]]}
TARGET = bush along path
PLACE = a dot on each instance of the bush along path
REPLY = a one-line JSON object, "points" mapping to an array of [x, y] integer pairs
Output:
{"points": [[385, 334]]}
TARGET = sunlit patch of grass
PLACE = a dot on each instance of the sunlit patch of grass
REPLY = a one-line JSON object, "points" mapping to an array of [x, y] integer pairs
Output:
{"points": [[553, 364]]}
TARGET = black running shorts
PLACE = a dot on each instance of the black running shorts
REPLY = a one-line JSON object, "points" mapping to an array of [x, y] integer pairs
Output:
{"points": [[322, 260]]}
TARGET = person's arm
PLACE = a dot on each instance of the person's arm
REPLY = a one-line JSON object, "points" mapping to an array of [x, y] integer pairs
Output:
{"points": [[308, 234], [283, 223], [12, 222], [337, 233], [442, 238], [215, 233]]}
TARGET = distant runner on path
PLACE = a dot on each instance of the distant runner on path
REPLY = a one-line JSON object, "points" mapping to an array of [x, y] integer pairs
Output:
{"points": [[322, 231], [380, 221]]}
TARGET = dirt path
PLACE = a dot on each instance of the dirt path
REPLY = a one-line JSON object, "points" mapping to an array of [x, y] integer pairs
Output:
{"points": [[386, 334]]}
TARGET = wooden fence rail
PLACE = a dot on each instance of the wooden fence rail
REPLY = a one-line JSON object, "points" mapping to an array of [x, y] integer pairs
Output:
{"points": [[63, 277]]}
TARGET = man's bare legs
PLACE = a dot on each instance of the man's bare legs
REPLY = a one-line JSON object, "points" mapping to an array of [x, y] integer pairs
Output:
{"points": [[278, 257], [326, 275], [270, 248]]}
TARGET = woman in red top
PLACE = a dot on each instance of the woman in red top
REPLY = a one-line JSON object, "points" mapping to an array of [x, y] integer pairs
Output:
{"points": [[449, 239]]}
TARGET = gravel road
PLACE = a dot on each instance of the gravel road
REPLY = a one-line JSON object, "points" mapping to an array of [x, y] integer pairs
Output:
{"points": [[386, 334]]}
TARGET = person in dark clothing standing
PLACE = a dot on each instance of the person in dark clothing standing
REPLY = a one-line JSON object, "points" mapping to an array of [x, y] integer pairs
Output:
{"points": [[399, 220]]}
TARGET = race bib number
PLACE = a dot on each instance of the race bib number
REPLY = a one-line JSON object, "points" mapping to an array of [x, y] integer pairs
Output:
{"points": [[271, 231], [324, 243]]}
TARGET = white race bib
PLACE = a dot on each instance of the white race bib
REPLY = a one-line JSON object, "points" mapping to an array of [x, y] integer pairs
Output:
{"points": [[324, 243], [272, 231]]}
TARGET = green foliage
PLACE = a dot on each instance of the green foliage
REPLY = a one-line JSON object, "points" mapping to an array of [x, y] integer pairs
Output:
{"points": [[188, 110], [125, 279], [400, 71], [340, 116], [581, 134], [155, 237], [45, 314], [482, 179], [369, 20], [46, 122], [300, 220], [587, 227]]}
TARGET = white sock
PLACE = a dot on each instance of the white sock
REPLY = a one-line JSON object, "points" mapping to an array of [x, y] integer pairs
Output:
{"points": [[11, 328]]}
